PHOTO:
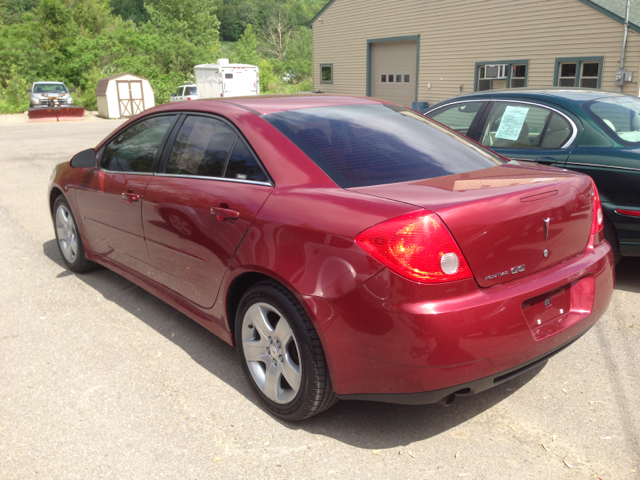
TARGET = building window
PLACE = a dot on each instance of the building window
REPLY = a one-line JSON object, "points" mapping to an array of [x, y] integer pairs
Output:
{"points": [[390, 78], [398, 78], [383, 78], [585, 72], [590, 74], [518, 76], [503, 74], [407, 78], [326, 73]]}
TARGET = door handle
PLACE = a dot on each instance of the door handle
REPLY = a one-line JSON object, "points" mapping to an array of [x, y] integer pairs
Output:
{"points": [[131, 197], [546, 160], [222, 213]]}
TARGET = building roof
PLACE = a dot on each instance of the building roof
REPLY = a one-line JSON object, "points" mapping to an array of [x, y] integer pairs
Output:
{"points": [[614, 9], [103, 83]]}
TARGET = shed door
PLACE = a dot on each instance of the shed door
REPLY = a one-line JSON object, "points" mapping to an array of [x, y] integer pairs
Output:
{"points": [[130, 97], [393, 71]]}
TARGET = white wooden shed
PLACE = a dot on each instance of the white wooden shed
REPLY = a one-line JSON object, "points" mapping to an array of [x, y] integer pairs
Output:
{"points": [[124, 95]]}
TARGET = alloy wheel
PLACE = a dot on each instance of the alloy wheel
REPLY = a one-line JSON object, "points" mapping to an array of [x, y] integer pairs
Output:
{"points": [[67, 234], [271, 352]]}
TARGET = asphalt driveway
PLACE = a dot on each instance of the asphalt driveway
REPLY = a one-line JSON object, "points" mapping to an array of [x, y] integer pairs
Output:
{"points": [[99, 379]]}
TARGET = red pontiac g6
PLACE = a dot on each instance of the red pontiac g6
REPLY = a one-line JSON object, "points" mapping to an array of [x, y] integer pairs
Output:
{"points": [[348, 247]]}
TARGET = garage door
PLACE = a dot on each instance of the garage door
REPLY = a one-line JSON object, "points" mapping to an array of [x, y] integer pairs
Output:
{"points": [[393, 71]]}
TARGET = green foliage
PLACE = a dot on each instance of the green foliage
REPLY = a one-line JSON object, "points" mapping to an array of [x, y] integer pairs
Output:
{"points": [[130, 10], [80, 41], [14, 99], [298, 60], [246, 47]]}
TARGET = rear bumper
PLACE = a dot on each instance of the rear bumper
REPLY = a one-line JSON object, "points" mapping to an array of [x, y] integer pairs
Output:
{"points": [[469, 388], [390, 336]]}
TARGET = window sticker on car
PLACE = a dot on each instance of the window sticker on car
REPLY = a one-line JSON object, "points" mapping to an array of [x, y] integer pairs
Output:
{"points": [[512, 122]]}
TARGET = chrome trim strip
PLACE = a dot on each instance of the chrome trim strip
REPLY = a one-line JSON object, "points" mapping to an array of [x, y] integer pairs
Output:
{"points": [[573, 124], [233, 180], [603, 166], [124, 173]]}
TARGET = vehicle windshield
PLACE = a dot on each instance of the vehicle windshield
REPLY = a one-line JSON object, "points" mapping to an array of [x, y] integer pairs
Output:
{"points": [[49, 88], [362, 145], [191, 91], [619, 117]]}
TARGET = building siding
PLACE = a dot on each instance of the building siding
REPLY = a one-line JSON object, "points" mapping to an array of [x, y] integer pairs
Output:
{"points": [[456, 35]]}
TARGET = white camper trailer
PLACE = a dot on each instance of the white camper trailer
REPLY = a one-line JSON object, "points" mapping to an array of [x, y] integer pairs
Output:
{"points": [[224, 79]]}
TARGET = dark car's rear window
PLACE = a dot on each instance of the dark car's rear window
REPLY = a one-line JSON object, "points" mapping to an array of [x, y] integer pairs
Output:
{"points": [[361, 145]]}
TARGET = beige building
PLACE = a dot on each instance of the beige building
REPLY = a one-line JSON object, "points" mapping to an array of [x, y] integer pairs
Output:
{"points": [[410, 51]]}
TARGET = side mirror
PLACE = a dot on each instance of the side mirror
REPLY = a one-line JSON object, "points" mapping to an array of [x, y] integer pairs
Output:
{"points": [[84, 159], [173, 94], [71, 90], [28, 90]]}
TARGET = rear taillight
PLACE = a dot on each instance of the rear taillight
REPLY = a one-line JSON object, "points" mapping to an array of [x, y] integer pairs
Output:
{"points": [[188, 98], [416, 246], [598, 217]]}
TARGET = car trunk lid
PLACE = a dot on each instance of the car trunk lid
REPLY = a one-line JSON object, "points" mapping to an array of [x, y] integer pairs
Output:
{"points": [[509, 221]]}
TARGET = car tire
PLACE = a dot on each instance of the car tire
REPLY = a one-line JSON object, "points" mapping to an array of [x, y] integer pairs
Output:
{"points": [[68, 238], [611, 236], [281, 353]]}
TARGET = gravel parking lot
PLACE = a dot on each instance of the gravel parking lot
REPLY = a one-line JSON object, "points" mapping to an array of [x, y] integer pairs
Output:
{"points": [[99, 379]]}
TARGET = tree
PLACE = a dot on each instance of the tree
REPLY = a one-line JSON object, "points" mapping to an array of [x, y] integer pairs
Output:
{"points": [[130, 10], [194, 21], [277, 33], [298, 60], [246, 48]]}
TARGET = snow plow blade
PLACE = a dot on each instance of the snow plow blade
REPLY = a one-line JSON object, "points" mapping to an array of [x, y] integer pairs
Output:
{"points": [[62, 114], [66, 114]]}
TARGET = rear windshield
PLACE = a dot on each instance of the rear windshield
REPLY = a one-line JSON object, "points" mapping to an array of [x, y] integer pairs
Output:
{"points": [[361, 145], [619, 117]]}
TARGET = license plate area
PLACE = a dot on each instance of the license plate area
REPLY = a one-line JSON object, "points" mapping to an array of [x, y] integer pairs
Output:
{"points": [[553, 311]]}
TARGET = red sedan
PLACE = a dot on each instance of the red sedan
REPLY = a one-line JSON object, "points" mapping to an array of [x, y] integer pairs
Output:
{"points": [[348, 247]]}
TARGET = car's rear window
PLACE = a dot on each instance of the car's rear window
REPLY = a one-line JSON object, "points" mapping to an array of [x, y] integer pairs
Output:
{"points": [[361, 145], [618, 116]]}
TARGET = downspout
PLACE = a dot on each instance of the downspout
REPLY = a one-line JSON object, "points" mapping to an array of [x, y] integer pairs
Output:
{"points": [[624, 41]]}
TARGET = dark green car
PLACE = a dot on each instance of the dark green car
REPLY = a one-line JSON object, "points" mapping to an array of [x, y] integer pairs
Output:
{"points": [[589, 131]]}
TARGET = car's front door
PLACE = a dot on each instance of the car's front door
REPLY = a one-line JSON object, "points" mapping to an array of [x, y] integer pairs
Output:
{"points": [[527, 131], [461, 116], [111, 197], [198, 209]]}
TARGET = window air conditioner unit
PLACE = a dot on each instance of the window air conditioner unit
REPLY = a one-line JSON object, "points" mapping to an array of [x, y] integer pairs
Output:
{"points": [[496, 71]]}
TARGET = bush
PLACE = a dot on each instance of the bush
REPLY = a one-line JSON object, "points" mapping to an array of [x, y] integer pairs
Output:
{"points": [[86, 97], [15, 98]]}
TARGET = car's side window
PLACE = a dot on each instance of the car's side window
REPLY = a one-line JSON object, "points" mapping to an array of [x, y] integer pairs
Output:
{"points": [[135, 149], [458, 116], [557, 132], [243, 166], [522, 125], [201, 148], [180, 90]]}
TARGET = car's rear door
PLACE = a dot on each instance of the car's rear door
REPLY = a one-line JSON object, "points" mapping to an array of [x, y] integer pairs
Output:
{"points": [[111, 196], [200, 204], [528, 131]]}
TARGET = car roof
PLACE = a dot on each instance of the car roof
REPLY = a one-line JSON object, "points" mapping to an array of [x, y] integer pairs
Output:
{"points": [[557, 95], [265, 104], [59, 83]]}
